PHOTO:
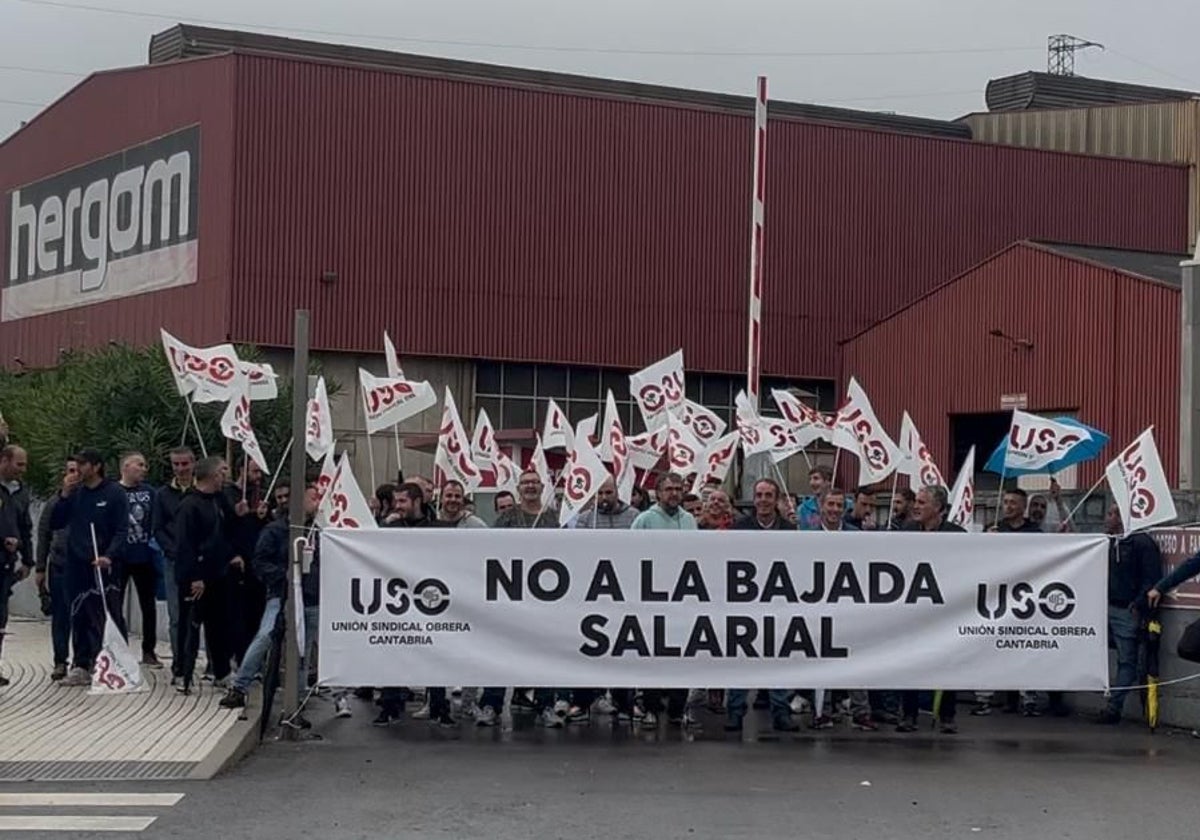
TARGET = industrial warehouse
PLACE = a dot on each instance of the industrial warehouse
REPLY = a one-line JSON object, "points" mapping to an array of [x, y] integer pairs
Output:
{"points": [[526, 236]]}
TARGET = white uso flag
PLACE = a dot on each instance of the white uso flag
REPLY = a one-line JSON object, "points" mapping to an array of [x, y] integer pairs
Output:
{"points": [[582, 477], [683, 450], [506, 474], [264, 384], [537, 463], [751, 428], [116, 669], [659, 389], [453, 456], [235, 424], [207, 373], [589, 425], [705, 424], [1140, 486], [483, 442], [318, 429], [962, 497], [915, 460], [387, 401], [557, 432], [343, 505], [810, 426], [646, 449], [716, 461], [325, 479], [1036, 442], [615, 450], [856, 429], [393, 361]]}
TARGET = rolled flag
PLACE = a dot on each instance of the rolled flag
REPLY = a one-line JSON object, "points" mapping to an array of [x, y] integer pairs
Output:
{"points": [[856, 429], [537, 463], [1045, 445], [388, 401], [810, 426], [483, 442], [393, 361], [325, 479], [615, 451], [751, 428], [683, 450], [318, 429], [208, 374], [235, 424], [717, 460], [659, 389], [582, 477], [705, 424], [453, 455], [264, 384], [962, 496], [507, 474], [556, 433], [916, 462], [343, 504], [1139, 485]]}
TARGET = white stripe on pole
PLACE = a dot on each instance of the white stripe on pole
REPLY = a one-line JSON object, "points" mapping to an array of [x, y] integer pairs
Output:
{"points": [[754, 353]]}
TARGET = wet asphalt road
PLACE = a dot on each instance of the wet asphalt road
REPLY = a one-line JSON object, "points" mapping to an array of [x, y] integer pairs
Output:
{"points": [[1000, 777]]}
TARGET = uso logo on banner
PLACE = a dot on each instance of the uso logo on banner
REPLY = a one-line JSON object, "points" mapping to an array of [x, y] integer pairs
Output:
{"points": [[216, 370], [1142, 501], [454, 446], [874, 452], [1027, 443], [383, 397], [578, 485], [654, 397]]}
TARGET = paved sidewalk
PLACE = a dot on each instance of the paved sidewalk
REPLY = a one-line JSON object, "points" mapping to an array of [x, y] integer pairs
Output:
{"points": [[56, 733]]}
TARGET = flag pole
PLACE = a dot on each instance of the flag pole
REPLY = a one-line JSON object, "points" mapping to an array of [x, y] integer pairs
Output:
{"points": [[371, 461], [1092, 490], [757, 216], [245, 471], [279, 469], [187, 398], [399, 463]]}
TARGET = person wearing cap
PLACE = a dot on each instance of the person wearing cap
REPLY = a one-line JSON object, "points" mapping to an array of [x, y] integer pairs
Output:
{"points": [[90, 504]]}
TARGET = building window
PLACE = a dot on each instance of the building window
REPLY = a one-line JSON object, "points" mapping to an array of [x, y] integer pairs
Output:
{"points": [[516, 396]]}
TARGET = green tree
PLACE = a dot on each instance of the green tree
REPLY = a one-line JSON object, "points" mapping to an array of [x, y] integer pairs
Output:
{"points": [[117, 399]]}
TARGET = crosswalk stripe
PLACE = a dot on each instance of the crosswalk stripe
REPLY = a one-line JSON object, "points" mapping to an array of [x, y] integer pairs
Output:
{"points": [[90, 800], [75, 823]]}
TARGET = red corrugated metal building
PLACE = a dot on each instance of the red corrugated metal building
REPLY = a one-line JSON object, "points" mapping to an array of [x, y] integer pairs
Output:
{"points": [[598, 224], [1088, 332]]}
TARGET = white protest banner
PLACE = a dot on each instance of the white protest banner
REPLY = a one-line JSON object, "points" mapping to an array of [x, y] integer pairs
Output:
{"points": [[705, 425], [916, 462], [557, 432], [343, 504], [207, 373], [750, 427], [659, 609], [962, 497], [659, 389], [116, 669], [582, 477], [393, 361], [1035, 442], [856, 429], [588, 426], [387, 402], [614, 450], [453, 456], [1139, 485], [318, 429], [717, 460], [235, 424]]}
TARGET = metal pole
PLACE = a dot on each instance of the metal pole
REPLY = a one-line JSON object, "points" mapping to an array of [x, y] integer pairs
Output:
{"points": [[1189, 370], [300, 397]]}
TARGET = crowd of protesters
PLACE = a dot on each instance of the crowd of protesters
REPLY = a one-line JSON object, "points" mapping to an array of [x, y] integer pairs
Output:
{"points": [[217, 551]]}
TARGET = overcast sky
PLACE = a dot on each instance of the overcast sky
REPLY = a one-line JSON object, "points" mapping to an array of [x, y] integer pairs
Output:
{"points": [[1152, 42]]}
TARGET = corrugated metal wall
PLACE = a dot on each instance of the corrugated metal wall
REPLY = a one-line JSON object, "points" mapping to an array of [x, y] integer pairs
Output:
{"points": [[1105, 345], [490, 221], [1164, 131], [104, 114]]}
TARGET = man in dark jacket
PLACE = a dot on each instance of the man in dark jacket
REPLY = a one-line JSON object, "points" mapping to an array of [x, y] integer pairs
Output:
{"points": [[51, 578], [162, 515], [1014, 506], [138, 563], [96, 515], [16, 531], [246, 596], [766, 510], [1134, 567], [205, 531]]}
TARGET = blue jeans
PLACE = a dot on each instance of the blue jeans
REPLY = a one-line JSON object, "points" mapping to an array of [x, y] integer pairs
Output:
{"points": [[256, 653], [735, 703], [1123, 633]]}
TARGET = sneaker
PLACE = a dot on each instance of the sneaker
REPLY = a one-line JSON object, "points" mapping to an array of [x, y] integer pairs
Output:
{"points": [[604, 706], [76, 678], [385, 718], [578, 714], [1108, 718], [906, 726], [421, 713], [1031, 711], [4, 681], [949, 727], [649, 720], [638, 712], [297, 721], [785, 725], [60, 671], [822, 722], [624, 717], [445, 721], [208, 677], [863, 723], [233, 699], [486, 716], [150, 660], [562, 708], [341, 707], [550, 719], [982, 710], [176, 682]]}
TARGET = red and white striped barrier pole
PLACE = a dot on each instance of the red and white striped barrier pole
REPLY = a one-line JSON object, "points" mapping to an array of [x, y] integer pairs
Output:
{"points": [[754, 355]]}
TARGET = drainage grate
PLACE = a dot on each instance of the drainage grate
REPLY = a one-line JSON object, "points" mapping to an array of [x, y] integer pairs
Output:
{"points": [[82, 771]]}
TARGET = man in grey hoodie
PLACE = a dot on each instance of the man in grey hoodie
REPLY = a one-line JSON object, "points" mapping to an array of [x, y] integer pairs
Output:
{"points": [[610, 512]]}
